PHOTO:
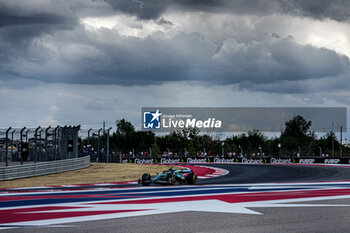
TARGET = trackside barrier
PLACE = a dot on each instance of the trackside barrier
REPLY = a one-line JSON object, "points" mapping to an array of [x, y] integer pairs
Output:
{"points": [[328, 160], [43, 168]]}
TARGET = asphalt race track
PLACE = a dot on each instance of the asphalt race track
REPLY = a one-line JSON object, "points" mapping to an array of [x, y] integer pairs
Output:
{"points": [[261, 173], [251, 198]]}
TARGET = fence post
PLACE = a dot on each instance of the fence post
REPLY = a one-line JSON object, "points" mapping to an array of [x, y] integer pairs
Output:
{"points": [[40, 144], [21, 140], [98, 145], [7, 147], [46, 135], [59, 143], [13, 131], [89, 136], [108, 144], [36, 144], [26, 133], [76, 140], [55, 142]]}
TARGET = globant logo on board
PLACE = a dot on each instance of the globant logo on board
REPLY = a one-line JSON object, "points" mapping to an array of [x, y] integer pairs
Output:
{"points": [[158, 120]]}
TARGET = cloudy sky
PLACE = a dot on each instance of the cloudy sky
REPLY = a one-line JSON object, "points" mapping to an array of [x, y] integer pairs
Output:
{"points": [[88, 61]]}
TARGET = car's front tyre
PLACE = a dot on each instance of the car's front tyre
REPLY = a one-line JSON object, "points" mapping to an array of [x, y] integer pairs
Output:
{"points": [[191, 178], [146, 179]]}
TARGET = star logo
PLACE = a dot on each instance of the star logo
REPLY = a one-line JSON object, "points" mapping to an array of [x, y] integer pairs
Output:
{"points": [[152, 120], [156, 115]]}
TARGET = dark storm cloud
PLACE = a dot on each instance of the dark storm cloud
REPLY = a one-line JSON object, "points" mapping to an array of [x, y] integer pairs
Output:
{"points": [[22, 22], [103, 56], [282, 59], [185, 57], [29, 14], [142, 9], [10, 18], [318, 9]]}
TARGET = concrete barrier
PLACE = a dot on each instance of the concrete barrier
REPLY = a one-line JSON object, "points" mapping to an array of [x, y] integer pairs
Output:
{"points": [[43, 168]]}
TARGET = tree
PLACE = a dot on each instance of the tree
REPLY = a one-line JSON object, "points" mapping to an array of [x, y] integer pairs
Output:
{"points": [[256, 139], [296, 127], [296, 134], [155, 150], [124, 127], [127, 138], [143, 140], [327, 142]]}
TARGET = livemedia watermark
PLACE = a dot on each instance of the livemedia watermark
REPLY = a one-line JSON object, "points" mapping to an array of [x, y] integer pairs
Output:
{"points": [[165, 119]]}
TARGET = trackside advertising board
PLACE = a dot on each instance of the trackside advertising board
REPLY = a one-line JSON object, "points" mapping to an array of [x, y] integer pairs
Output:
{"points": [[239, 160]]}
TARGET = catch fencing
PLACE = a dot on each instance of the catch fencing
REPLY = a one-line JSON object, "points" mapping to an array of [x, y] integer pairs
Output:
{"points": [[28, 152], [25, 145]]}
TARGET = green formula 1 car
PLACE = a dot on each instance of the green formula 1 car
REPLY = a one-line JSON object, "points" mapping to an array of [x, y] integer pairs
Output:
{"points": [[171, 176]]}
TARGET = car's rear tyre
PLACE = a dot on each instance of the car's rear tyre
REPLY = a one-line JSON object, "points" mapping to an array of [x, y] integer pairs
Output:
{"points": [[191, 178], [146, 178], [173, 180]]}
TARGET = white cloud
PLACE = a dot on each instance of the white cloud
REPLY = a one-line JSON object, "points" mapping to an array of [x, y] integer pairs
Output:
{"points": [[127, 25], [48, 121], [216, 27], [54, 108]]}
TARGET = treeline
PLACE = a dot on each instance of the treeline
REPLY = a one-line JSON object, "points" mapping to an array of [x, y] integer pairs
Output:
{"points": [[296, 139]]}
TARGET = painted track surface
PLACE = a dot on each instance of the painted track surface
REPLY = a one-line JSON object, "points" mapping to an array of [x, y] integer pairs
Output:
{"points": [[243, 207]]}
